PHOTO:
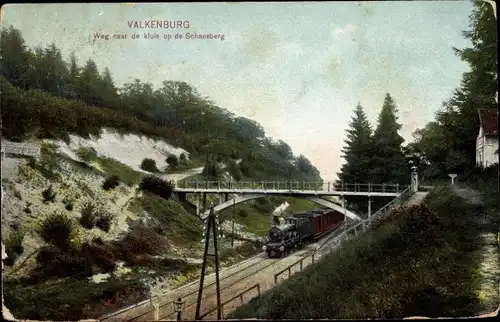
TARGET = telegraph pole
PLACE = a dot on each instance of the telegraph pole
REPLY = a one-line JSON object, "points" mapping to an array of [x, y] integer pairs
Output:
{"points": [[211, 227], [232, 232]]}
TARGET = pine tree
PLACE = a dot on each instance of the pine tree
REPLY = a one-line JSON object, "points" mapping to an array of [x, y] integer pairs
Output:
{"points": [[389, 163], [357, 151]]}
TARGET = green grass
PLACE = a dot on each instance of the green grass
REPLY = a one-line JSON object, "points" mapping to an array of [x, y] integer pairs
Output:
{"points": [[69, 299], [191, 164], [409, 266], [180, 226]]}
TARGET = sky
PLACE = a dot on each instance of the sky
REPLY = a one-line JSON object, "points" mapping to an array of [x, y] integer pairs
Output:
{"points": [[299, 68]]}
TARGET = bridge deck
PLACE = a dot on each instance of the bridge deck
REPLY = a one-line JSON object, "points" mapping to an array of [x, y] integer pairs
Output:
{"points": [[291, 188]]}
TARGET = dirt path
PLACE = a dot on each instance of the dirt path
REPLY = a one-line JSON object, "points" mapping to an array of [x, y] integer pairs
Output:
{"points": [[489, 291], [417, 198]]}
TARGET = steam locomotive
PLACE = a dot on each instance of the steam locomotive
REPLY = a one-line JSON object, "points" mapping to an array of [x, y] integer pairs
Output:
{"points": [[300, 229]]}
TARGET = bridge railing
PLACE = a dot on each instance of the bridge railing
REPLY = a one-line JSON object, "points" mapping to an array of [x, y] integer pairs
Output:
{"points": [[277, 185]]}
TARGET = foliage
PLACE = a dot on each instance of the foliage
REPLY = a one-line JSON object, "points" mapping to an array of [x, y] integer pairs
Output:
{"points": [[13, 245], [182, 158], [177, 224], [173, 161], [149, 165], [57, 229], [49, 195], [389, 164], [68, 203], [88, 217], [51, 300], [87, 154], [234, 170], [449, 142], [212, 171], [357, 152], [94, 215], [104, 221], [111, 182], [57, 98], [157, 186], [388, 272]]}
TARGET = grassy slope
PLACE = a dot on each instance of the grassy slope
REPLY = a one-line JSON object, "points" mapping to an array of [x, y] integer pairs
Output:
{"points": [[397, 270]]}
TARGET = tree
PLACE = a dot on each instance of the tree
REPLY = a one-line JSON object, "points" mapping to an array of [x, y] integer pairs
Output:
{"points": [[449, 141], [389, 163], [172, 160], [357, 151], [15, 59], [212, 170], [149, 165]]}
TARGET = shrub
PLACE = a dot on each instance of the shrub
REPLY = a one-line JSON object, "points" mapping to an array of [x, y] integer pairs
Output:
{"points": [[182, 158], [141, 240], [49, 195], [100, 255], [234, 170], [104, 220], [111, 182], [53, 261], [27, 209], [87, 154], [68, 203], [149, 165], [57, 229], [242, 213], [157, 186], [13, 246], [173, 161], [89, 215]]}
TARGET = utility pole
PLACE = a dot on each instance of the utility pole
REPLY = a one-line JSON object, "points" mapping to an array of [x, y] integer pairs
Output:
{"points": [[232, 232], [211, 227]]}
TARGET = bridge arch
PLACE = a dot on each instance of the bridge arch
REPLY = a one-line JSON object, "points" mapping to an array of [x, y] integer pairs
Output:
{"points": [[246, 197]]}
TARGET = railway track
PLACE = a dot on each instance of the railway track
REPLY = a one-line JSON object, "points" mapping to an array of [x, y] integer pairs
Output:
{"points": [[233, 280]]}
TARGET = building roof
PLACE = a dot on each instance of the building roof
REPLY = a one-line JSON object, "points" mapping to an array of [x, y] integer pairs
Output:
{"points": [[489, 121]]}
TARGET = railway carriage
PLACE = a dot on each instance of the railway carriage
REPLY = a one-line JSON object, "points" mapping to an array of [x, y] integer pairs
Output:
{"points": [[300, 229]]}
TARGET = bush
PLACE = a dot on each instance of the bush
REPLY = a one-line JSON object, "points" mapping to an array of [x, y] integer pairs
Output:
{"points": [[149, 165], [13, 246], [111, 182], [157, 186], [87, 154], [57, 229], [235, 171], [173, 161], [139, 241], [68, 203], [89, 215], [242, 213], [104, 220], [182, 158], [49, 195], [53, 261], [96, 216]]}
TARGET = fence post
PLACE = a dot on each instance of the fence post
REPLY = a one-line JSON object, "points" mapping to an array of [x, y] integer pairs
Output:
{"points": [[313, 259], [289, 272], [154, 304], [301, 264], [383, 187], [397, 187], [241, 298], [275, 278], [258, 288]]}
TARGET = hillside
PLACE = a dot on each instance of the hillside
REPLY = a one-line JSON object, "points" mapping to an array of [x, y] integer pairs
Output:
{"points": [[82, 238]]}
